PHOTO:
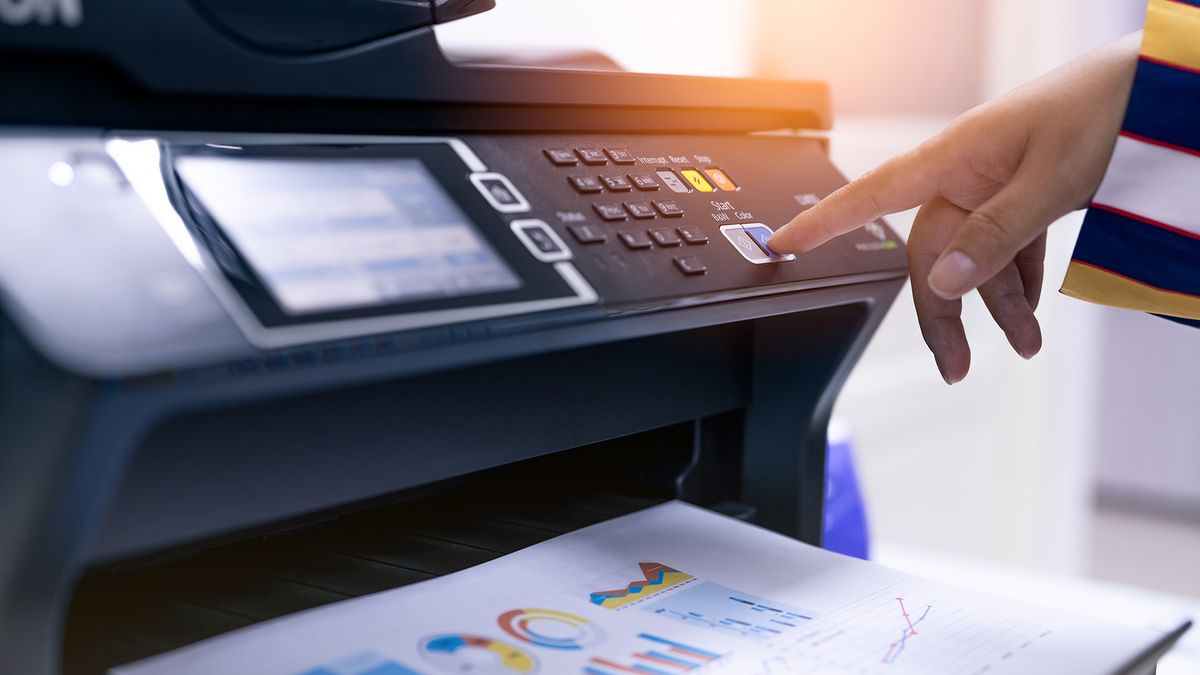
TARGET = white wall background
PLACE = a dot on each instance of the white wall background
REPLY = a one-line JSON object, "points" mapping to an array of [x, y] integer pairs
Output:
{"points": [[698, 37]]}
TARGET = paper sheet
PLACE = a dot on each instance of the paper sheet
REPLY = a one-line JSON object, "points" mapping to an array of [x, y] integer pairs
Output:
{"points": [[669, 590]]}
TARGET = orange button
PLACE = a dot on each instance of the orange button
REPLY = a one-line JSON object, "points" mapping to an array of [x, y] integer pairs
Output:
{"points": [[696, 179], [721, 180]]}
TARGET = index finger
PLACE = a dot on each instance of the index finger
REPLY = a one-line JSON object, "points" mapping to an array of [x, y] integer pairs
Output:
{"points": [[899, 184]]}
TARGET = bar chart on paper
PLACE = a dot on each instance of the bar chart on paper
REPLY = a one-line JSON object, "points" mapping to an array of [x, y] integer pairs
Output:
{"points": [[902, 630]]}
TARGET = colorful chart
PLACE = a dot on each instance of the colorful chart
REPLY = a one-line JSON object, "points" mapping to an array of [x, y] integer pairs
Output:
{"points": [[656, 578], [661, 657], [476, 655], [723, 609], [550, 628], [366, 663]]}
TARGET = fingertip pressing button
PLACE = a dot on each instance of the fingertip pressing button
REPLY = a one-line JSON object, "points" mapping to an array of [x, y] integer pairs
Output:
{"points": [[761, 234]]}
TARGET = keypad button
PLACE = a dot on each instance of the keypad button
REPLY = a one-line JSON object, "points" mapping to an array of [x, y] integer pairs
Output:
{"points": [[592, 156], [669, 208], [692, 234], [635, 239], [665, 237], [588, 234], [640, 210], [586, 184], [760, 234], [696, 180], [643, 181], [673, 183], [721, 179], [621, 156], [610, 211], [691, 265], [561, 156], [616, 183]]}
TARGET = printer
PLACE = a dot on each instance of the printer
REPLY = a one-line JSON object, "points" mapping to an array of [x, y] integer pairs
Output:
{"points": [[293, 308]]}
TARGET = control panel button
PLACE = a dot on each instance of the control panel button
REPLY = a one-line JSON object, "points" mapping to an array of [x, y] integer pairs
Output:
{"points": [[760, 234], [692, 234], [586, 184], [621, 156], [721, 179], [665, 237], [691, 265], [616, 183], [643, 181], [499, 192], [635, 239], [669, 208], [543, 242], [640, 210], [673, 183], [745, 244], [561, 156], [592, 156], [588, 234], [696, 180], [610, 211]]}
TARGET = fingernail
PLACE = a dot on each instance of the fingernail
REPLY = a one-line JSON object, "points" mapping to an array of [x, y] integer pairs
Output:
{"points": [[952, 276]]}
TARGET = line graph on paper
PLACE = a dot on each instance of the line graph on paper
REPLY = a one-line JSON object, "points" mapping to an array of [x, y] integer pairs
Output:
{"points": [[909, 630], [899, 630]]}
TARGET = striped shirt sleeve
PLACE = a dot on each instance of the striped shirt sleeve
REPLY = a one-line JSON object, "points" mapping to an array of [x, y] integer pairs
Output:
{"points": [[1140, 243]]}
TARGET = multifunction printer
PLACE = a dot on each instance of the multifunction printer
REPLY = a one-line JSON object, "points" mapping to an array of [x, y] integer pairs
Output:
{"points": [[294, 308]]}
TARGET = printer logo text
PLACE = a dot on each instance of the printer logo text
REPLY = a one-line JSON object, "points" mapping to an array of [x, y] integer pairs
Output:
{"points": [[42, 12]]}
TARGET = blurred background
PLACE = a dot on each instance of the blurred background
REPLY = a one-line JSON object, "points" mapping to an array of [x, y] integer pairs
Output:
{"points": [[1084, 461]]}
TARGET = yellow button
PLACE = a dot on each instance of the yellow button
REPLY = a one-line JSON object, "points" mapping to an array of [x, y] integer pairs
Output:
{"points": [[696, 179], [721, 180]]}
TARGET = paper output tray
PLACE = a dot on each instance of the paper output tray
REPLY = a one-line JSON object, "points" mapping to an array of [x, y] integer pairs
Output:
{"points": [[126, 614]]}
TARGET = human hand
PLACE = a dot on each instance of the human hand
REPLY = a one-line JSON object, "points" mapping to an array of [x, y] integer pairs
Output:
{"points": [[989, 186]]}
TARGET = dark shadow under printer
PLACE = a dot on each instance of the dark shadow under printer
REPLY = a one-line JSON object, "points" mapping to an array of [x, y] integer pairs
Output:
{"points": [[294, 309]]}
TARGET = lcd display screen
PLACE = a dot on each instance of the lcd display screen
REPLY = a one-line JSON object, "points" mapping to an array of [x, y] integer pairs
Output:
{"points": [[332, 234]]}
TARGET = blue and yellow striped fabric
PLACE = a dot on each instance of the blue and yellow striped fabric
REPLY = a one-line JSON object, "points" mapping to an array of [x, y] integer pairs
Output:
{"points": [[1140, 243]]}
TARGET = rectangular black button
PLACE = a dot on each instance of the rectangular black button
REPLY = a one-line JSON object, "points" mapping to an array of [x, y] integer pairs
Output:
{"points": [[616, 183], [588, 234], [610, 211], [621, 156], [644, 181], [561, 156], [635, 239], [665, 237], [586, 184], [592, 156], [669, 208], [692, 234], [691, 265], [640, 210]]}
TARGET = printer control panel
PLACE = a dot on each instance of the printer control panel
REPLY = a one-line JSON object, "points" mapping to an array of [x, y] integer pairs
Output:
{"points": [[204, 242], [648, 219]]}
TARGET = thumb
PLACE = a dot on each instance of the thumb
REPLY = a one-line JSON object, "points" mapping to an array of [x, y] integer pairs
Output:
{"points": [[992, 235]]}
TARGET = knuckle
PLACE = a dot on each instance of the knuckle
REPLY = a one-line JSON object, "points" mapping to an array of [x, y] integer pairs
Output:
{"points": [[987, 231]]}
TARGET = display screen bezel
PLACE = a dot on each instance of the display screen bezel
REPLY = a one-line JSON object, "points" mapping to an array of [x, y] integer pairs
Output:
{"points": [[539, 281]]}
